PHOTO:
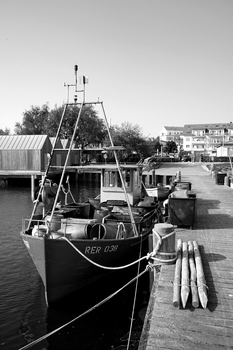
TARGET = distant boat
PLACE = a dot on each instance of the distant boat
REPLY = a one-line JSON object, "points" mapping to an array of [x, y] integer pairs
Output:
{"points": [[159, 192], [74, 244]]}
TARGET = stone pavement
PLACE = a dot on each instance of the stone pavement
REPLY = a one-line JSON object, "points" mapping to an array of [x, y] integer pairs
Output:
{"points": [[168, 327]]}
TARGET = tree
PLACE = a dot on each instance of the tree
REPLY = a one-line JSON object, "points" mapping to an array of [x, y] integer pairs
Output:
{"points": [[91, 129], [130, 137], [171, 147], [154, 145], [5, 132], [34, 121], [40, 120]]}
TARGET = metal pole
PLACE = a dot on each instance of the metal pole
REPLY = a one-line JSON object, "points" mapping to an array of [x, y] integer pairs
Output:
{"points": [[120, 173], [66, 161], [47, 167]]}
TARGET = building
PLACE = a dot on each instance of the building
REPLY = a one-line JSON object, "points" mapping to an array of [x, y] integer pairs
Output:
{"points": [[26, 154], [171, 133], [225, 150], [204, 139]]}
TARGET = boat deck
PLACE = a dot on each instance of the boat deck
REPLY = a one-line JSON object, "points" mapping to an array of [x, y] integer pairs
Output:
{"points": [[169, 327]]}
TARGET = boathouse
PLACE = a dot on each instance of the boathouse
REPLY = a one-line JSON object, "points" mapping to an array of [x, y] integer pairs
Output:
{"points": [[59, 153], [24, 153]]}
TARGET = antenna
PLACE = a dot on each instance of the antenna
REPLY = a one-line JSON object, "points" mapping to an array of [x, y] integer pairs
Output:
{"points": [[75, 72], [83, 80]]}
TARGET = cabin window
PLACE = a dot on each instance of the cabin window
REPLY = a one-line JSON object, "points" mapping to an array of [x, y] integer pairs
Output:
{"points": [[112, 178], [126, 176]]}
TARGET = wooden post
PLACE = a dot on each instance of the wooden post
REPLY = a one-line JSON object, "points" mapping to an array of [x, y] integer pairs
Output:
{"points": [[32, 187], [153, 177], [193, 275], [185, 275], [177, 276], [201, 282]]}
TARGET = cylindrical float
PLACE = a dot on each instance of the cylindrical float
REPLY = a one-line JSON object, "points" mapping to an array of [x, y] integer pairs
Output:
{"points": [[79, 231], [164, 240], [54, 222], [77, 228]]}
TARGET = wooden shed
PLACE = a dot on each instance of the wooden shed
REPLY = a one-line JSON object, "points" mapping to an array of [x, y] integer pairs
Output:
{"points": [[74, 158], [59, 154], [24, 152]]}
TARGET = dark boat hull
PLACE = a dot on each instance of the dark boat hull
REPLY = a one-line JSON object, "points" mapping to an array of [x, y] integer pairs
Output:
{"points": [[64, 270]]}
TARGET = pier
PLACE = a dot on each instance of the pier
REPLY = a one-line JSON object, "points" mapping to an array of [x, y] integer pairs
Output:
{"points": [[170, 327]]}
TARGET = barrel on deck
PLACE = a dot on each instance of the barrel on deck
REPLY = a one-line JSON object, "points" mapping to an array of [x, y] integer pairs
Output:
{"points": [[103, 231]]}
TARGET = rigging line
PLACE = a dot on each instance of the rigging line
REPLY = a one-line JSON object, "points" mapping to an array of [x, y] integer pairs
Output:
{"points": [[101, 266], [135, 296], [83, 314], [47, 167], [120, 174], [68, 191], [66, 160]]}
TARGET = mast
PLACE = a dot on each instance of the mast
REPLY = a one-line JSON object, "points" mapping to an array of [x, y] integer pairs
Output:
{"points": [[84, 81]]}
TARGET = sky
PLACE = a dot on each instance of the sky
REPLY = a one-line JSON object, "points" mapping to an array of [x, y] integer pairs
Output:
{"points": [[151, 62]]}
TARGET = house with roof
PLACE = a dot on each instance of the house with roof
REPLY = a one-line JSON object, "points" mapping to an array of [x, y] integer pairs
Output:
{"points": [[226, 150], [171, 133], [205, 139], [26, 154]]}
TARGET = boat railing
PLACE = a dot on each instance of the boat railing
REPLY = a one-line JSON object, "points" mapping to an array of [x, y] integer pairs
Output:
{"points": [[113, 225], [35, 227]]}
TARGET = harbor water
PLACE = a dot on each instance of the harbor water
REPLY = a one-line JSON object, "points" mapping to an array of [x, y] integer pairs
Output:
{"points": [[23, 312]]}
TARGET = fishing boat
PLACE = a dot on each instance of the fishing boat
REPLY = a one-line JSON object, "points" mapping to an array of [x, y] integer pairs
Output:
{"points": [[74, 244]]}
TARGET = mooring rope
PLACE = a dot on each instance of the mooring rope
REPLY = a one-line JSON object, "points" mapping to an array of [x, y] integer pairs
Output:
{"points": [[84, 313], [134, 301], [66, 193], [101, 266], [151, 255], [156, 249]]}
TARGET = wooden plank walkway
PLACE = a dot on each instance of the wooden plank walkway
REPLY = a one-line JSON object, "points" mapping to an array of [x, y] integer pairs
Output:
{"points": [[168, 327]]}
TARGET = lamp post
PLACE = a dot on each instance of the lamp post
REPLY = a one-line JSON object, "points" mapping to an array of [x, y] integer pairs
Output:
{"points": [[105, 155]]}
